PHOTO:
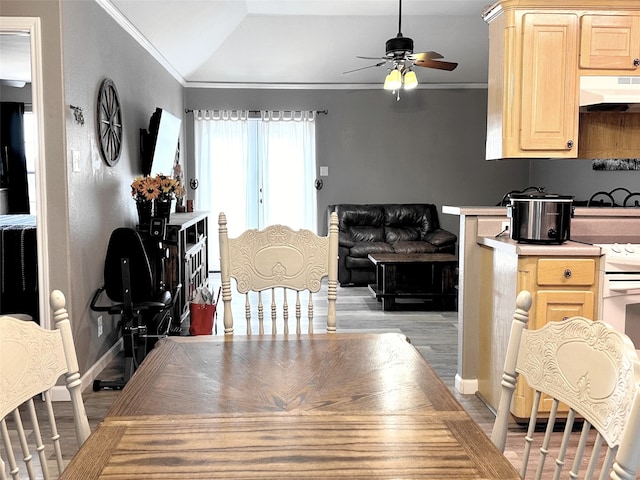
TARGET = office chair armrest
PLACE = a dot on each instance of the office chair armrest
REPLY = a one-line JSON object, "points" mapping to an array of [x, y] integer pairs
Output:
{"points": [[94, 301], [114, 309]]}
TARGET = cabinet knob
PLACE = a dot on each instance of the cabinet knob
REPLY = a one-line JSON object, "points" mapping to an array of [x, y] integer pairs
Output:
{"points": [[636, 62], [570, 144], [567, 273], [564, 319]]}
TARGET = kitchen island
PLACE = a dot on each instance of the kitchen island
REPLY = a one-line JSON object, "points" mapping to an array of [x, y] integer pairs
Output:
{"points": [[487, 259]]}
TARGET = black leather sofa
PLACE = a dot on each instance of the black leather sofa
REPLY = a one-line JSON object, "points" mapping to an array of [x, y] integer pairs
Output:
{"points": [[385, 228]]}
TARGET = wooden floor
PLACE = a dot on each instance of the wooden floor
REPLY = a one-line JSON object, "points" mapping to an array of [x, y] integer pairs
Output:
{"points": [[434, 334]]}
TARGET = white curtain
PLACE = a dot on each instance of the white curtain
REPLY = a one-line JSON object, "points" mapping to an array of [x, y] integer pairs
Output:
{"points": [[258, 171], [287, 150], [222, 162]]}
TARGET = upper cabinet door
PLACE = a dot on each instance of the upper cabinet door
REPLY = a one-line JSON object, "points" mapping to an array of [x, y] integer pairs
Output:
{"points": [[610, 42], [549, 115]]}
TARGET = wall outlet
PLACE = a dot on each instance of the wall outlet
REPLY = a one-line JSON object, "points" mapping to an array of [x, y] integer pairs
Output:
{"points": [[99, 326], [505, 226]]}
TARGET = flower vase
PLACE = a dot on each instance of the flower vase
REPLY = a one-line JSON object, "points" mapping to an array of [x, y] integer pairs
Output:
{"points": [[144, 212], [163, 208]]}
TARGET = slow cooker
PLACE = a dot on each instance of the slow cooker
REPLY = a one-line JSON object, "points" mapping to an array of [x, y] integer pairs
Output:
{"points": [[539, 217]]}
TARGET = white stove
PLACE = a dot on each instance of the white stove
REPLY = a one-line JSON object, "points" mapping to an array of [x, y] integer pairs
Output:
{"points": [[620, 257], [620, 285]]}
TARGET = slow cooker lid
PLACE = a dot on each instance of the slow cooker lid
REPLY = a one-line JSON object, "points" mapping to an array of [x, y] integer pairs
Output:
{"points": [[542, 196]]}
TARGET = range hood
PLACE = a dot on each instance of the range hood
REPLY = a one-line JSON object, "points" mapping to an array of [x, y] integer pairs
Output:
{"points": [[610, 93]]}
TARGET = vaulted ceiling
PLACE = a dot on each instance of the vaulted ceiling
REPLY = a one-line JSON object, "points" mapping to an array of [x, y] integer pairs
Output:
{"points": [[293, 43], [305, 42]]}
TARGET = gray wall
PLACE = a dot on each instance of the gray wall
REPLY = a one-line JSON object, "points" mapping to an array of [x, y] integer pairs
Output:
{"points": [[99, 196], [428, 147], [577, 178], [16, 94], [82, 45]]}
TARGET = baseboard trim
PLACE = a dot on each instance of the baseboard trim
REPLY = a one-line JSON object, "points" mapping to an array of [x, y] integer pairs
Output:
{"points": [[466, 386], [59, 393]]}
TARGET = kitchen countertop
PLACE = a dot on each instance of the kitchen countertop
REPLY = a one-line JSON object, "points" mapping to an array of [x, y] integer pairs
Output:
{"points": [[579, 211], [566, 249]]}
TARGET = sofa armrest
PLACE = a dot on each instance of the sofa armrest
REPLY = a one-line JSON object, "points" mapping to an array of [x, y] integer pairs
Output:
{"points": [[440, 237], [345, 240]]}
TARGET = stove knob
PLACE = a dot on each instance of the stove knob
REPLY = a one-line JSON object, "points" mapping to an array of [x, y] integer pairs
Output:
{"points": [[629, 248], [615, 248]]}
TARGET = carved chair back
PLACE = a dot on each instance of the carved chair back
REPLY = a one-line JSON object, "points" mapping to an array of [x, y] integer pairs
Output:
{"points": [[32, 359], [590, 374], [289, 265]]}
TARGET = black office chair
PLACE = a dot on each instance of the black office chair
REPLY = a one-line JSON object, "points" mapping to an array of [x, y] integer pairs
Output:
{"points": [[145, 306]]}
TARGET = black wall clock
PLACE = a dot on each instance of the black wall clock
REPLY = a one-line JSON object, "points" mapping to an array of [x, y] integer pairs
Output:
{"points": [[109, 122]]}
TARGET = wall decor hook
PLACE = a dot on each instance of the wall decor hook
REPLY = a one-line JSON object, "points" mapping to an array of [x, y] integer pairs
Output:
{"points": [[77, 115]]}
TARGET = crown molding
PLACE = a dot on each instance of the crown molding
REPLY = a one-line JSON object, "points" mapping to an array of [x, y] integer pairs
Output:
{"points": [[128, 27], [329, 86]]}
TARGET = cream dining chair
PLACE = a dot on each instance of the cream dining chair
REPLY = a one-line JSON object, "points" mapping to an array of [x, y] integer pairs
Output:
{"points": [[595, 372], [281, 261], [32, 359]]}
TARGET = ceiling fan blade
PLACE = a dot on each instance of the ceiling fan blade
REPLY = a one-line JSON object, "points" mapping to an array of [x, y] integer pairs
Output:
{"points": [[373, 58], [425, 56], [436, 64], [364, 68]]}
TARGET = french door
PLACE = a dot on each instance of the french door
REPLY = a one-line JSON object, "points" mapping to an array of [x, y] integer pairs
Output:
{"points": [[258, 171]]}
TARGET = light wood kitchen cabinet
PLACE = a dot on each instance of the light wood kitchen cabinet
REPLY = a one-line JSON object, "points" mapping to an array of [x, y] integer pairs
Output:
{"points": [[537, 52], [610, 42], [549, 116], [533, 90], [561, 287]]}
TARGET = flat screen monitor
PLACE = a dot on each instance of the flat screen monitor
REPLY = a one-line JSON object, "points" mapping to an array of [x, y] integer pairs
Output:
{"points": [[160, 143]]}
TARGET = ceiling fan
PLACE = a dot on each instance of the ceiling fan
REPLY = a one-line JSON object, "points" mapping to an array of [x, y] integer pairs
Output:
{"points": [[401, 59]]}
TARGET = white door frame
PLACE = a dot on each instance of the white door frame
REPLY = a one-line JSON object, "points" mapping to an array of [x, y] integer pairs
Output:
{"points": [[31, 26]]}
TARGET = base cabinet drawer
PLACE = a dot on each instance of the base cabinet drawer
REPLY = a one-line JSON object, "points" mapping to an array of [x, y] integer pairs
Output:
{"points": [[566, 272]]}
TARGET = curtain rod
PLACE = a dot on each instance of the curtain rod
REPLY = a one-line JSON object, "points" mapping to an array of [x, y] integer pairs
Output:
{"points": [[325, 112]]}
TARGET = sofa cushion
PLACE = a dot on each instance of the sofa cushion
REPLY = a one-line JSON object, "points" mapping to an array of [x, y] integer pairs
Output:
{"points": [[414, 247], [441, 237], [362, 249], [350, 214], [393, 235], [366, 234], [411, 221]]}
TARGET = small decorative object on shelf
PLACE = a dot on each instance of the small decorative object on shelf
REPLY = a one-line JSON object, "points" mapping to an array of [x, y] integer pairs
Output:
{"points": [[158, 191]]}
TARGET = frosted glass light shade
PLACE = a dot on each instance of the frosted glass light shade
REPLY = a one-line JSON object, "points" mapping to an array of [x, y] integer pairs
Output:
{"points": [[393, 81], [410, 80]]}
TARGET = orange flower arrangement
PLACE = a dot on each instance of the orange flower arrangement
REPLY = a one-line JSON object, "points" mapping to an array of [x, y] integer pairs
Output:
{"points": [[147, 189]]}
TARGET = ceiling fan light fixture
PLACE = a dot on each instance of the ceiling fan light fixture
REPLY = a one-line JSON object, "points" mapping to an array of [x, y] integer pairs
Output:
{"points": [[410, 80], [393, 81]]}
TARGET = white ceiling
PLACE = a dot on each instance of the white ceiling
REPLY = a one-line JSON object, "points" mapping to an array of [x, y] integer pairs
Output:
{"points": [[291, 42], [305, 42]]}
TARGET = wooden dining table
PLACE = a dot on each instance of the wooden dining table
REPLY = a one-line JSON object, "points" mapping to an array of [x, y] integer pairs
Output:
{"points": [[345, 405]]}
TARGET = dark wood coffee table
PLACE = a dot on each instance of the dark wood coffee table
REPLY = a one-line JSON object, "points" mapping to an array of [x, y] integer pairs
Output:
{"points": [[430, 276]]}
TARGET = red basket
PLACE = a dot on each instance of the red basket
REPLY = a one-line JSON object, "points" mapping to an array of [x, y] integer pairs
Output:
{"points": [[202, 318]]}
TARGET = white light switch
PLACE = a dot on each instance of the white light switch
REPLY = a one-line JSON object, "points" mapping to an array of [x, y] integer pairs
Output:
{"points": [[324, 171], [75, 161]]}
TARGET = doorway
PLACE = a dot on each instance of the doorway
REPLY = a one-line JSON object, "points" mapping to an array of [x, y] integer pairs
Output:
{"points": [[27, 31]]}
